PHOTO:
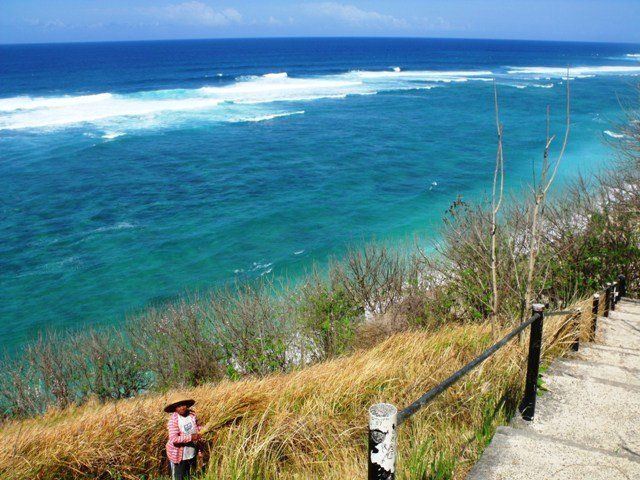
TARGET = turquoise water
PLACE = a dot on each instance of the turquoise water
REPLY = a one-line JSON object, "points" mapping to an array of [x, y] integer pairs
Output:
{"points": [[135, 172]]}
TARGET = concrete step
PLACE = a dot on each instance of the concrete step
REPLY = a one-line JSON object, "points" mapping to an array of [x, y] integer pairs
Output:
{"points": [[522, 455], [619, 330], [631, 317], [579, 367], [628, 308], [629, 320], [631, 306], [587, 420], [598, 413], [617, 356]]}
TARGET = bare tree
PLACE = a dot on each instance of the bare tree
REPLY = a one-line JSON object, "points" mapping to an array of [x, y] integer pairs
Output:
{"points": [[374, 277], [539, 191], [252, 327], [496, 202], [177, 345]]}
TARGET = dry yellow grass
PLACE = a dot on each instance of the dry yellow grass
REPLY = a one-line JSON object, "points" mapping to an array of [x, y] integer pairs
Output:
{"points": [[306, 424]]}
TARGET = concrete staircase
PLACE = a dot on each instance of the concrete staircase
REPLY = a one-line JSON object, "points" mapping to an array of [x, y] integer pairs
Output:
{"points": [[587, 425]]}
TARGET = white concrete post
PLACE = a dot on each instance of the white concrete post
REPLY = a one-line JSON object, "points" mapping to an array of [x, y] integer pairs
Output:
{"points": [[383, 418]]}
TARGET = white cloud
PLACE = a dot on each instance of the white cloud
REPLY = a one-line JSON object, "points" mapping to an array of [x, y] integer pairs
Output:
{"points": [[273, 21], [36, 22], [195, 13], [355, 16], [436, 24]]}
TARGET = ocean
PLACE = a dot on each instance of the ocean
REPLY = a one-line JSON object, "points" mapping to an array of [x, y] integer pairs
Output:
{"points": [[133, 173]]}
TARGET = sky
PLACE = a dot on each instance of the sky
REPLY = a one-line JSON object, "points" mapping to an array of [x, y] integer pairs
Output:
{"points": [[43, 21]]}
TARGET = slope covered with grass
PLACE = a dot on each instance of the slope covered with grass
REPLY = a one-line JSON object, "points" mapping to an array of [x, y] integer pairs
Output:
{"points": [[305, 424]]}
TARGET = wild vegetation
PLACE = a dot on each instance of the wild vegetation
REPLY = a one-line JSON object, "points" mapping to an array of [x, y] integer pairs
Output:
{"points": [[88, 405], [309, 423]]}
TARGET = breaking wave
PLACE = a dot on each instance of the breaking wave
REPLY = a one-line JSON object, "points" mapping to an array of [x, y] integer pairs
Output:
{"points": [[528, 84], [262, 118], [44, 112], [30, 103], [575, 72], [248, 98], [112, 135], [613, 134]]}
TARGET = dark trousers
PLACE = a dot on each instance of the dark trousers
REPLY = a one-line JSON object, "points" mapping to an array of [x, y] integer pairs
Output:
{"points": [[182, 470]]}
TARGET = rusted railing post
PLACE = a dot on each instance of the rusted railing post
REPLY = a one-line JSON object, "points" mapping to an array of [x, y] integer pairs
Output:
{"points": [[594, 312], [622, 287], [607, 300], [383, 421], [528, 404]]}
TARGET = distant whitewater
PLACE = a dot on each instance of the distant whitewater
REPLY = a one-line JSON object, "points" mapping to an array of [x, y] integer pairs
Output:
{"points": [[236, 101]]}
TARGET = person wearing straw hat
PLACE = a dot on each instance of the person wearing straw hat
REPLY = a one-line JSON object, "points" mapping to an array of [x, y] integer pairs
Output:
{"points": [[184, 434]]}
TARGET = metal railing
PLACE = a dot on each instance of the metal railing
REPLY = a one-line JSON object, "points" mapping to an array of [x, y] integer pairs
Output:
{"points": [[384, 418]]}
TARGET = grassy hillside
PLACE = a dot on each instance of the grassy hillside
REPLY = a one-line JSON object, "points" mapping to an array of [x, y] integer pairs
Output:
{"points": [[305, 424]]}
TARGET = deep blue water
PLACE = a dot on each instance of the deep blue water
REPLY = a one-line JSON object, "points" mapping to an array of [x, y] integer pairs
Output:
{"points": [[135, 172]]}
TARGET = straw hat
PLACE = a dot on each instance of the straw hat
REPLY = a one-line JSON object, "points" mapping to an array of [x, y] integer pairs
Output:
{"points": [[177, 401]]}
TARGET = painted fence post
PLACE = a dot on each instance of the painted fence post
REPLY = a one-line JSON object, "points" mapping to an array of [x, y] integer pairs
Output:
{"points": [[622, 287], [594, 312], [607, 300], [612, 302], [383, 422], [528, 404]]}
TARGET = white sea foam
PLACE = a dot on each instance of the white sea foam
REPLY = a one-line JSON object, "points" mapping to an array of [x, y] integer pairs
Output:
{"points": [[613, 134], [522, 86], [579, 72], [112, 135], [115, 227], [298, 252], [633, 55], [25, 112], [445, 76], [30, 103], [72, 262], [275, 87], [261, 266], [276, 75], [118, 113], [262, 118], [101, 108], [136, 110]]}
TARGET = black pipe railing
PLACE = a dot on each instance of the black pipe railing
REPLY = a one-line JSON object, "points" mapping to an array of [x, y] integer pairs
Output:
{"points": [[384, 419], [438, 389], [563, 312]]}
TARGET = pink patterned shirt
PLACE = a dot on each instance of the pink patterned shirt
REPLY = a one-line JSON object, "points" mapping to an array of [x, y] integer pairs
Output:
{"points": [[177, 440]]}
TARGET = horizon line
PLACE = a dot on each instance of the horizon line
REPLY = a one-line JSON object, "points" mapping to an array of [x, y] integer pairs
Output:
{"points": [[322, 37]]}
